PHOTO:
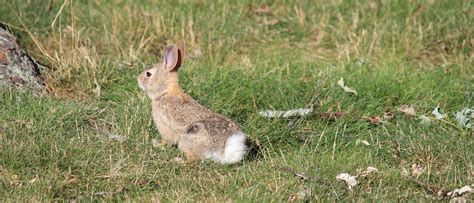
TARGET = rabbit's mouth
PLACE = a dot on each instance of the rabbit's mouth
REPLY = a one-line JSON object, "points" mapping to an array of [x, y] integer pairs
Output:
{"points": [[140, 84]]}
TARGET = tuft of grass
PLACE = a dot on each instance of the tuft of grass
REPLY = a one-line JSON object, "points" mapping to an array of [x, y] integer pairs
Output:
{"points": [[58, 146]]}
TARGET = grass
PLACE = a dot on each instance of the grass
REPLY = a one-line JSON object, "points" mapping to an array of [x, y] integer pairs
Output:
{"points": [[393, 53]]}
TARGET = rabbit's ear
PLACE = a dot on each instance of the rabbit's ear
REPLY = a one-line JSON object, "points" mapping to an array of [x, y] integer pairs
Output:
{"points": [[171, 58], [181, 53]]}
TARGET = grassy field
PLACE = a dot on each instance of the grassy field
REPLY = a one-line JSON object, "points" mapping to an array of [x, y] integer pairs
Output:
{"points": [[91, 137]]}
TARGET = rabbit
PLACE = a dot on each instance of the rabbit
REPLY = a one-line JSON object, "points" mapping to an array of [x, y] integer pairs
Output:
{"points": [[198, 132]]}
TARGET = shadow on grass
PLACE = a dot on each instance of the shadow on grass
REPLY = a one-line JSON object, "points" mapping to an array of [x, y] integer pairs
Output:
{"points": [[254, 152]]}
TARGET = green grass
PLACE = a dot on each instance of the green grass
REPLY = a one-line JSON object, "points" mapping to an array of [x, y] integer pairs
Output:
{"points": [[237, 66]]}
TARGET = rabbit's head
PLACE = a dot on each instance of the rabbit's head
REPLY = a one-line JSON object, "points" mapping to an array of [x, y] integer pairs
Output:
{"points": [[163, 78]]}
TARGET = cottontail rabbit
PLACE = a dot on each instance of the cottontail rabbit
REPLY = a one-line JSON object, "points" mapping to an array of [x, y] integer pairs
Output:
{"points": [[199, 132]]}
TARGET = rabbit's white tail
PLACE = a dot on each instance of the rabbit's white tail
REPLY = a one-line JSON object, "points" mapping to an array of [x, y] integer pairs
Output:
{"points": [[235, 148]]}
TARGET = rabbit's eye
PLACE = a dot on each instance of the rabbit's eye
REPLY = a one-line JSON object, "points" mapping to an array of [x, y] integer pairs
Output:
{"points": [[148, 74]]}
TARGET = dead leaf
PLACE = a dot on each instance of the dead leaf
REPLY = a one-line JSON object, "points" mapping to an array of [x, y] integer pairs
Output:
{"points": [[416, 170], [270, 22], [70, 181], [345, 88], [460, 192], [358, 142], [408, 110], [33, 181], [388, 115], [375, 119], [262, 10], [350, 180], [126, 64], [118, 138], [369, 171]]}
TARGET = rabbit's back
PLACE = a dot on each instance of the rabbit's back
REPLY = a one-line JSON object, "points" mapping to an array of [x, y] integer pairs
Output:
{"points": [[189, 114]]}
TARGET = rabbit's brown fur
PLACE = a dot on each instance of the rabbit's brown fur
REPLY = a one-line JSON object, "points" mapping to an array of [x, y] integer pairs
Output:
{"points": [[198, 131]]}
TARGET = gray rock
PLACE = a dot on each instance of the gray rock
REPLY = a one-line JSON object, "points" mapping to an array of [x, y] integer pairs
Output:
{"points": [[18, 70]]}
